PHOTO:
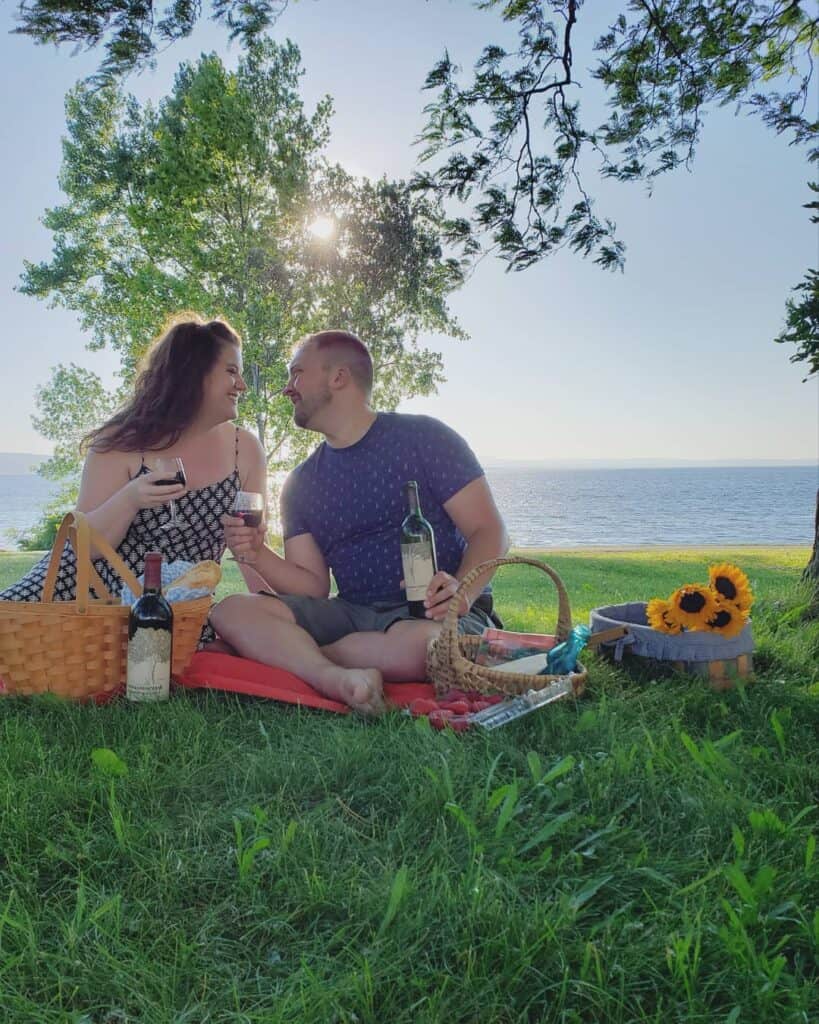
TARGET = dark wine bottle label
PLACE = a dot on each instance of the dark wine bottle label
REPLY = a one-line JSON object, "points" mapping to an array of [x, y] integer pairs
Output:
{"points": [[150, 638], [419, 568], [148, 675]]}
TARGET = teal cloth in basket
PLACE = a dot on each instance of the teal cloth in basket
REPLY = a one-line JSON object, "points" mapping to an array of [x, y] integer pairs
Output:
{"points": [[170, 571]]}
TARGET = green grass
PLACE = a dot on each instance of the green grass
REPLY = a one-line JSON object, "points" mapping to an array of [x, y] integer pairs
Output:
{"points": [[646, 854]]}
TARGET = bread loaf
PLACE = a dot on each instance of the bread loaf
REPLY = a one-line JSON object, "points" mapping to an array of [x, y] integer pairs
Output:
{"points": [[203, 576]]}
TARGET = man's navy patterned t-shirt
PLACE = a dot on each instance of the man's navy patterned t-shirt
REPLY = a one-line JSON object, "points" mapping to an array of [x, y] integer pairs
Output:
{"points": [[352, 500]]}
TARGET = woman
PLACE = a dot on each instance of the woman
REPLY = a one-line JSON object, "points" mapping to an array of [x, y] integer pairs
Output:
{"points": [[185, 396]]}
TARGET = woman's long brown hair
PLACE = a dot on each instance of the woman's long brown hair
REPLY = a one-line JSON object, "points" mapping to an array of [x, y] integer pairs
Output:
{"points": [[169, 387]]}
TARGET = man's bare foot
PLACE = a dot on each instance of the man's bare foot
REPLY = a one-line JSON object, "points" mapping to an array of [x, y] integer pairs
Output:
{"points": [[361, 688]]}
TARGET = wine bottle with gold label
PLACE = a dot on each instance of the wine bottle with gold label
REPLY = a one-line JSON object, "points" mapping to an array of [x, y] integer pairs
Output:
{"points": [[417, 553], [150, 638]]}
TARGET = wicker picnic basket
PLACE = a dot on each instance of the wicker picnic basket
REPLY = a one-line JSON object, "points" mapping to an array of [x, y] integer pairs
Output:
{"points": [[451, 658], [77, 648]]}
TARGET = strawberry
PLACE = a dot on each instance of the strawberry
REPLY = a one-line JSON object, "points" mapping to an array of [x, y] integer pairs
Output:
{"points": [[451, 695], [457, 707], [440, 718], [423, 706]]}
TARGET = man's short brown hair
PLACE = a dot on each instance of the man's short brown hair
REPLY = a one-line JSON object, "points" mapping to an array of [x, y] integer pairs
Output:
{"points": [[345, 348]]}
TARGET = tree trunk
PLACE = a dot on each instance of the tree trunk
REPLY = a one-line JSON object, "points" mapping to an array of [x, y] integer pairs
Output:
{"points": [[812, 568]]}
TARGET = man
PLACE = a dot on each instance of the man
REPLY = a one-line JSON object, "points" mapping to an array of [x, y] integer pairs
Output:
{"points": [[342, 510]]}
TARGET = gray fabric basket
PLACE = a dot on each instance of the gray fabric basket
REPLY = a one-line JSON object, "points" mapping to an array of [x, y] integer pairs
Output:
{"points": [[646, 642]]}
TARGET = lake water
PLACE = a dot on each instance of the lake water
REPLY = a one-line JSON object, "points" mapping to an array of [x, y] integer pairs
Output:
{"points": [[698, 506], [597, 507]]}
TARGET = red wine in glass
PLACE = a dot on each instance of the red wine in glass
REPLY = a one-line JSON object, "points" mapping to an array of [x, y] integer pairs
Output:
{"points": [[250, 518], [178, 478], [249, 507], [173, 473]]}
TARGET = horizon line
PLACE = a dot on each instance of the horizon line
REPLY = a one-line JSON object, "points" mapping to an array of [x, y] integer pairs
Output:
{"points": [[637, 461]]}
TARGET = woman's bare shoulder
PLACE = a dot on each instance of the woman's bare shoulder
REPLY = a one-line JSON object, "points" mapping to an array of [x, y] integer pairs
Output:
{"points": [[112, 461], [248, 442]]}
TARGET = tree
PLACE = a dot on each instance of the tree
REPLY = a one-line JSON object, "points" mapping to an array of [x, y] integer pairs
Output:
{"points": [[205, 203], [512, 141], [133, 31]]}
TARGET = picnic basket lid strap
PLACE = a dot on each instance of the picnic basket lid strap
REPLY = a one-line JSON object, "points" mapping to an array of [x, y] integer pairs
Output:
{"points": [[564, 613], [107, 551], [73, 528], [76, 528]]}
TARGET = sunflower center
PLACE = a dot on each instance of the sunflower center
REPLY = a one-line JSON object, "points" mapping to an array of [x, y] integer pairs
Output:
{"points": [[692, 603], [725, 587], [720, 620]]}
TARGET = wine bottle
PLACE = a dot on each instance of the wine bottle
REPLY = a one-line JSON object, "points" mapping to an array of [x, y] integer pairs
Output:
{"points": [[150, 638], [417, 553]]}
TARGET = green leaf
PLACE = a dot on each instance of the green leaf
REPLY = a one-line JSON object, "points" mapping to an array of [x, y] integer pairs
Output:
{"points": [[460, 815], [107, 762], [507, 810], [736, 876], [535, 766], [779, 731], [563, 767], [550, 829], [767, 821], [398, 892], [588, 892]]}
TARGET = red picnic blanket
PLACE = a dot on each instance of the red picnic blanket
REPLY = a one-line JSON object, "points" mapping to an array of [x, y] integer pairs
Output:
{"points": [[241, 675]]}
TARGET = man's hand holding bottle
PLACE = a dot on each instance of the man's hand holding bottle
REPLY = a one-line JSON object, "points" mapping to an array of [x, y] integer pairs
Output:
{"points": [[440, 591]]}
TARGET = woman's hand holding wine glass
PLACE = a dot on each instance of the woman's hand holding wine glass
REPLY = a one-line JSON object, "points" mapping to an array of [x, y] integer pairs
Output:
{"points": [[169, 472], [245, 526]]}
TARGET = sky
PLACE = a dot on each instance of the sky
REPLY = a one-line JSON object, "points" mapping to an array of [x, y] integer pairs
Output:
{"points": [[673, 359]]}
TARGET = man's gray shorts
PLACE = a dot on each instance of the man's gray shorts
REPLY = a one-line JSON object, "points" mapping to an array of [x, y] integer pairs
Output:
{"points": [[328, 619]]}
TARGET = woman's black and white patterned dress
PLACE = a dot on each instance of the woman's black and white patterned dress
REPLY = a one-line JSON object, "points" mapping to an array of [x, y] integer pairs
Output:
{"points": [[199, 537]]}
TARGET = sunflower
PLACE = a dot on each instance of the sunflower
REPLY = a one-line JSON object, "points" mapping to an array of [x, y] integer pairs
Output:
{"points": [[692, 605], [731, 583], [728, 620], [658, 613]]}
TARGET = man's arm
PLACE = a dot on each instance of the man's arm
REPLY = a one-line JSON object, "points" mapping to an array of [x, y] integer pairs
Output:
{"points": [[473, 511], [301, 571]]}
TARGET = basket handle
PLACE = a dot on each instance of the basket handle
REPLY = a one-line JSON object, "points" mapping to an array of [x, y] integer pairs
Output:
{"points": [[564, 612], [78, 531]]}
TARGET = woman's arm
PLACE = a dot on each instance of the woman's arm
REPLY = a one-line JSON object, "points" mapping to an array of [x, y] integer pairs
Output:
{"points": [[110, 499]]}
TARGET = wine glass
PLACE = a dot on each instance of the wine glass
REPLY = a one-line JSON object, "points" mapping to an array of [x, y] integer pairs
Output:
{"points": [[249, 507], [173, 473]]}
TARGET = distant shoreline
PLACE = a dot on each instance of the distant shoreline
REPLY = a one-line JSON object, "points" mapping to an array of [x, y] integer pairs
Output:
{"points": [[25, 463]]}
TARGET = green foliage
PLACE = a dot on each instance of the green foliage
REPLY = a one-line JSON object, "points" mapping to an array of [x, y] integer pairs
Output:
{"points": [[68, 407], [802, 322], [512, 142], [802, 316], [204, 202], [646, 854], [133, 32], [40, 535]]}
